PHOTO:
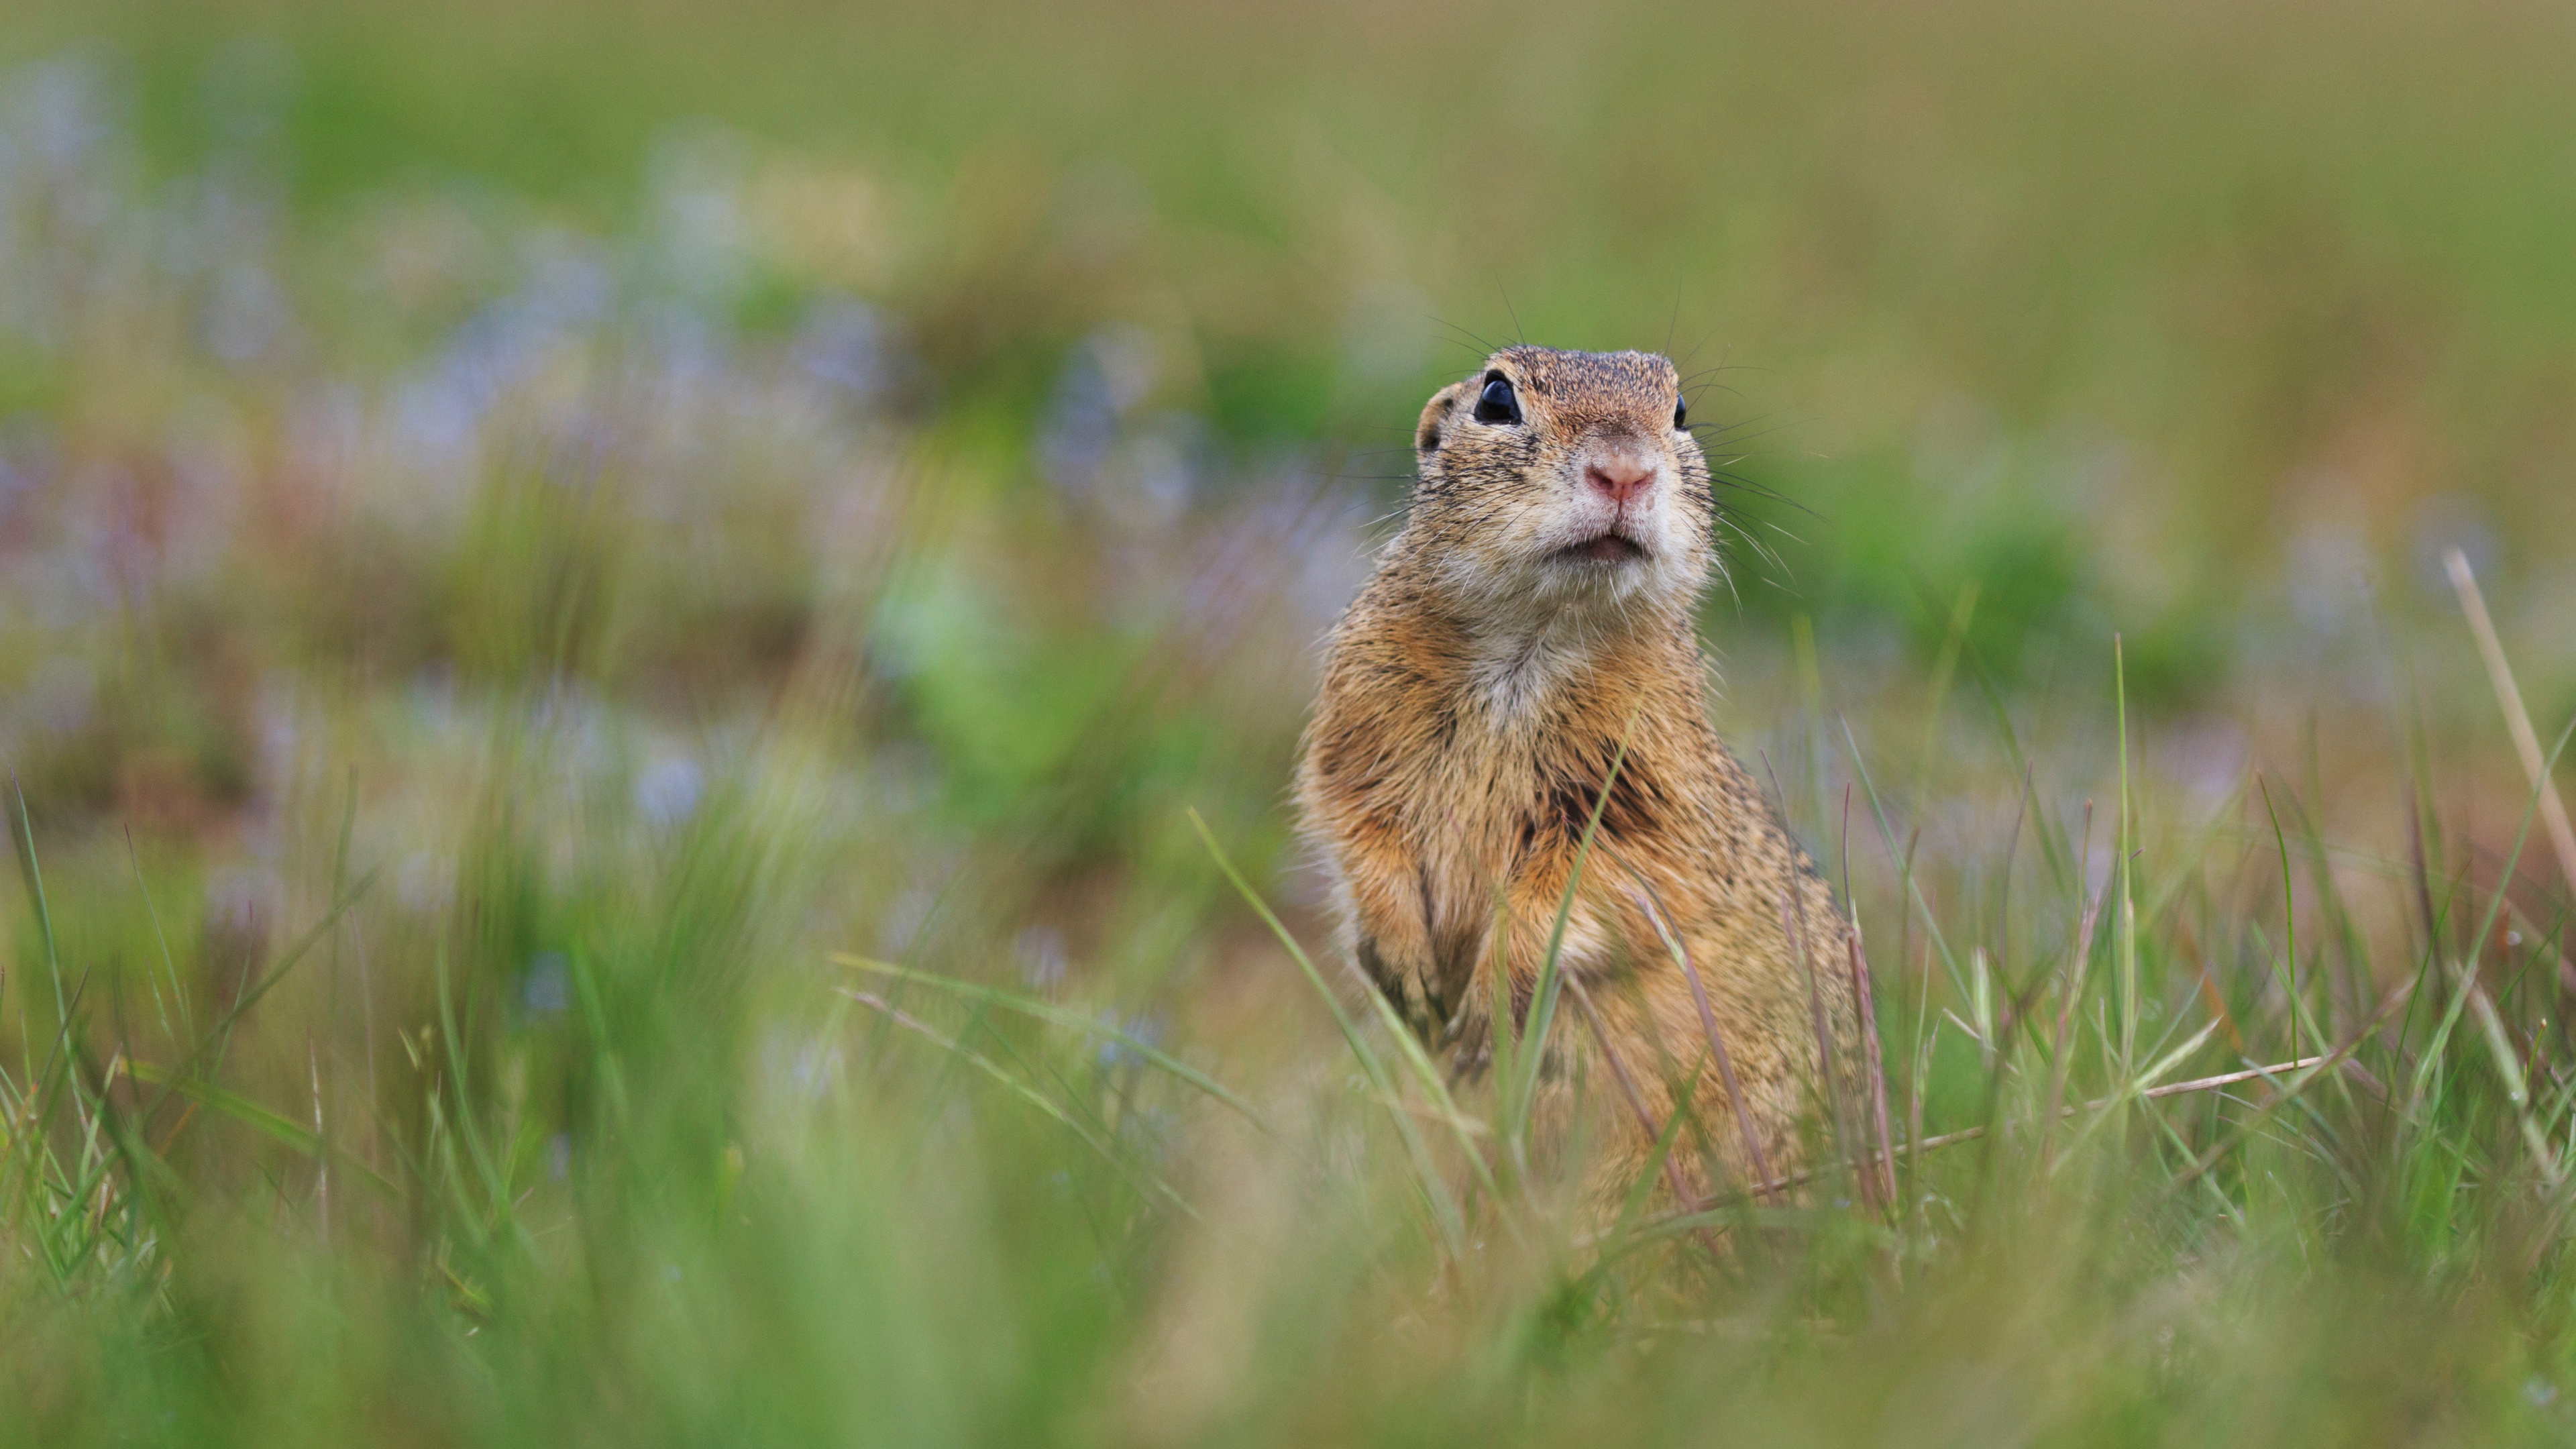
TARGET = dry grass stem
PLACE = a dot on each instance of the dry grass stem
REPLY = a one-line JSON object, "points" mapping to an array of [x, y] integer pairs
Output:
{"points": [[1628, 1087], [1865, 1000], [1971, 1134], [1792, 920], [1753, 1155], [2078, 956], [2517, 720]]}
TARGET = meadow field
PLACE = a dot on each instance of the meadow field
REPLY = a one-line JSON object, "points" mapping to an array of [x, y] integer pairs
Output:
{"points": [[650, 656]]}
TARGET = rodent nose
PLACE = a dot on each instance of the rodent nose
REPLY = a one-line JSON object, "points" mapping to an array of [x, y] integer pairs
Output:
{"points": [[1620, 478]]}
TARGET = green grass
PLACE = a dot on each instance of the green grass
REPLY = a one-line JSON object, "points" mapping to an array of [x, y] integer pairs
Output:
{"points": [[603, 1149], [649, 665]]}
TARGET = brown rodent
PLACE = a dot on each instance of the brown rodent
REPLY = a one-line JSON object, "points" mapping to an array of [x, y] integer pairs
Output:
{"points": [[1535, 615]]}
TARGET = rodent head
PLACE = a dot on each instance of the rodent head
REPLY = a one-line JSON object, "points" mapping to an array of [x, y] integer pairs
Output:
{"points": [[1552, 481]]}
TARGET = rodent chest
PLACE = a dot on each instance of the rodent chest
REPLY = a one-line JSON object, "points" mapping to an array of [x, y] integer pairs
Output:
{"points": [[1484, 810]]}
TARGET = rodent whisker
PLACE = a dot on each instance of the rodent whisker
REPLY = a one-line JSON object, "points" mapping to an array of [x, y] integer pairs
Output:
{"points": [[1740, 484], [1484, 349], [1733, 434]]}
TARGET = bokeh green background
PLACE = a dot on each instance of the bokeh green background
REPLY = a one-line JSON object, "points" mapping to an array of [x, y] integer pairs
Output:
{"points": [[2168, 321], [525, 526]]}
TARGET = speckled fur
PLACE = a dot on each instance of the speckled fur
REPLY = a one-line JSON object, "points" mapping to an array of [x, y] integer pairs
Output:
{"points": [[1473, 699]]}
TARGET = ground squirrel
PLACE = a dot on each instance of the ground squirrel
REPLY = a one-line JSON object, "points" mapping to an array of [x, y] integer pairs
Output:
{"points": [[1536, 611]]}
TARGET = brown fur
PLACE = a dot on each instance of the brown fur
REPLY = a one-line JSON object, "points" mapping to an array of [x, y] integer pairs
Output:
{"points": [[1473, 700]]}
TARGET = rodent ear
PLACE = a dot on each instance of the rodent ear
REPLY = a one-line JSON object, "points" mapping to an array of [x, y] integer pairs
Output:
{"points": [[1426, 438]]}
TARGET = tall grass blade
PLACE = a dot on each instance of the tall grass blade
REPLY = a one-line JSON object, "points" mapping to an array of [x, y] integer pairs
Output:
{"points": [[1022, 1090], [1429, 1180], [1754, 1157], [2526, 741], [1060, 1016], [1523, 1091]]}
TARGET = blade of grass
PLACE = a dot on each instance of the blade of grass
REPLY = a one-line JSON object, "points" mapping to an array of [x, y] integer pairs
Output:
{"points": [[1429, 1179], [1523, 1096], [265, 1121], [35, 879], [2289, 923], [1906, 881], [1792, 922], [2079, 957], [1937, 692], [161, 939], [1972, 1134], [219, 1035], [2526, 741], [1060, 1016], [1627, 1085], [2125, 942], [2290, 1091], [1865, 1001], [1753, 1156], [2509, 1066], [2140, 1086], [2432, 1051], [1020, 1089]]}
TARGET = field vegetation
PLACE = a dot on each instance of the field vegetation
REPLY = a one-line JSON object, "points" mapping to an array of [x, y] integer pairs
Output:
{"points": [[649, 659]]}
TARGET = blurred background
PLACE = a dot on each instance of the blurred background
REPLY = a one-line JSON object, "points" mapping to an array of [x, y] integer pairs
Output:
{"points": [[2208, 326], [673, 490], [1041, 376]]}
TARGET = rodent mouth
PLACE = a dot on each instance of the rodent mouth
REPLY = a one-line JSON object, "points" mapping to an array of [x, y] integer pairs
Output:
{"points": [[1609, 548]]}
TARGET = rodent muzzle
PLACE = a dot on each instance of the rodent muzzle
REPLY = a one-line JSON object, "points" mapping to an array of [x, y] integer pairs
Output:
{"points": [[1621, 479], [1617, 506]]}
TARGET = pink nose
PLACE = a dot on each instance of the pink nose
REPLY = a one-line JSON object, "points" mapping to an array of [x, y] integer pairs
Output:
{"points": [[1620, 479]]}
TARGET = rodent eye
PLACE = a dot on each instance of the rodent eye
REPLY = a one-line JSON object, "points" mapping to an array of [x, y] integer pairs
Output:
{"points": [[1496, 404], [1681, 414]]}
